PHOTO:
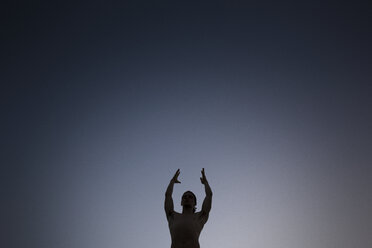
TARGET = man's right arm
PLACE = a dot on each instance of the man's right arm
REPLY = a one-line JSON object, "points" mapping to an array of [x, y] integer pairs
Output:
{"points": [[168, 204]]}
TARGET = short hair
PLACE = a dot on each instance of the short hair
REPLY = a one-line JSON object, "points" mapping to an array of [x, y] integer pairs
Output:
{"points": [[193, 196]]}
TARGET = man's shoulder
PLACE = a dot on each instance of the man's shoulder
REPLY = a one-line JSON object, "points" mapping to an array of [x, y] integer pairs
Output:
{"points": [[173, 214], [200, 213], [203, 215]]}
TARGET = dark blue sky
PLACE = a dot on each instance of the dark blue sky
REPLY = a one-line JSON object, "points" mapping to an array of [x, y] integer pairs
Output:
{"points": [[103, 102]]}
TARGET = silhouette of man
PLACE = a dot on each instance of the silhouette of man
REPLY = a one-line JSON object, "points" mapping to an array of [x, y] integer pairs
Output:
{"points": [[185, 227]]}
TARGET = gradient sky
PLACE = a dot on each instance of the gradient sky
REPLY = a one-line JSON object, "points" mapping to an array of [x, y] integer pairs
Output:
{"points": [[104, 101]]}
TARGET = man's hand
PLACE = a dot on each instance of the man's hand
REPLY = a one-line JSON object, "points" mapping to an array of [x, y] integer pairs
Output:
{"points": [[203, 179], [175, 177]]}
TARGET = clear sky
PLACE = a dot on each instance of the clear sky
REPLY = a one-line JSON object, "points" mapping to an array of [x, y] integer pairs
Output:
{"points": [[105, 101]]}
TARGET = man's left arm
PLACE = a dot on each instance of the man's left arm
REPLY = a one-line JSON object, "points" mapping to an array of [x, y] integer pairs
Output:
{"points": [[207, 203]]}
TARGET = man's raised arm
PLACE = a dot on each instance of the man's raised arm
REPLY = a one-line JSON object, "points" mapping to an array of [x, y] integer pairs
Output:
{"points": [[207, 203], [168, 204]]}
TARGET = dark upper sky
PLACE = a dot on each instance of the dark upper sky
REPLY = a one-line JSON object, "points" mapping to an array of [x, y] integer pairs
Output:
{"points": [[130, 75], [318, 53]]}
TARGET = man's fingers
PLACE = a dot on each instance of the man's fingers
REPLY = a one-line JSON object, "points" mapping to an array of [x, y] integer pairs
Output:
{"points": [[176, 176]]}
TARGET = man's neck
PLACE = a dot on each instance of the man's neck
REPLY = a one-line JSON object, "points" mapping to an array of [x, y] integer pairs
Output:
{"points": [[187, 210]]}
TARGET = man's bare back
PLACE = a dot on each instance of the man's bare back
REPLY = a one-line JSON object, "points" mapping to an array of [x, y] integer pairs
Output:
{"points": [[185, 227]]}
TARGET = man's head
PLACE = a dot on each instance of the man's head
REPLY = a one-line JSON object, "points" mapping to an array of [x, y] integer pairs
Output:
{"points": [[189, 200]]}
